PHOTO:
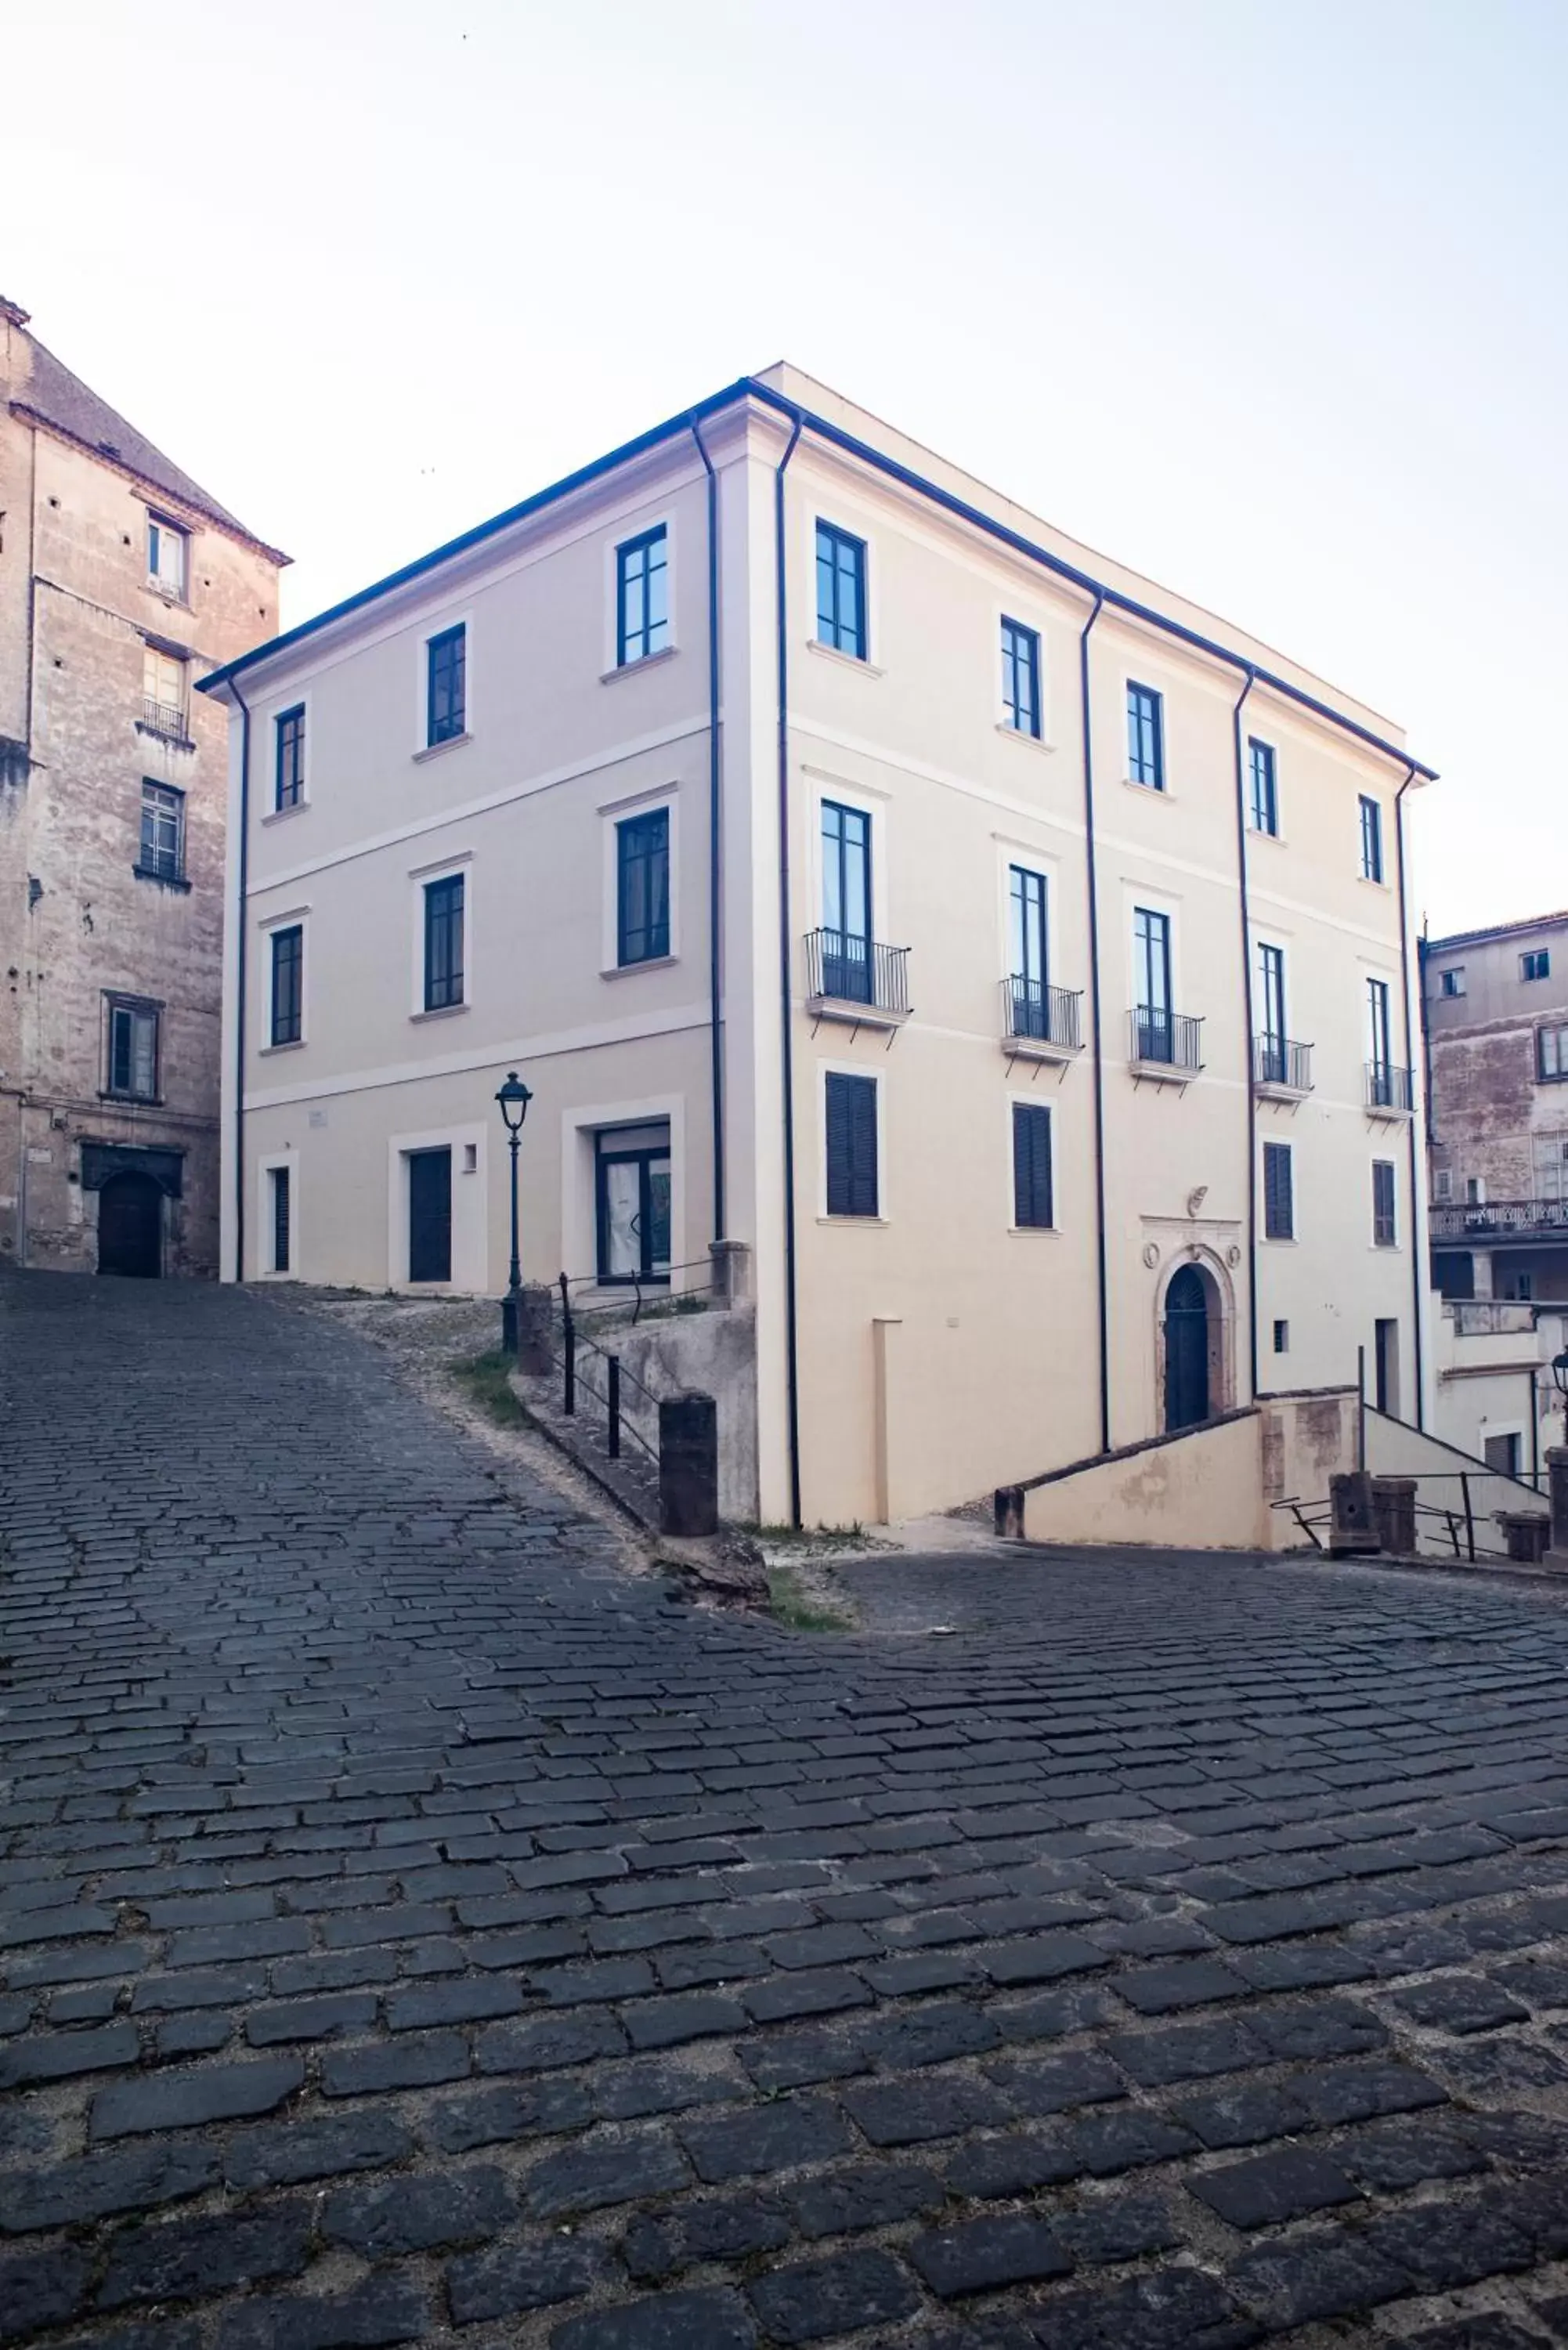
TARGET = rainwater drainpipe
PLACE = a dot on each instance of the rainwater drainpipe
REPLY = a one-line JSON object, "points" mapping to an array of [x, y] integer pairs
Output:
{"points": [[1095, 1023], [1251, 1191], [1417, 1287], [241, 926], [791, 1333], [714, 859]]}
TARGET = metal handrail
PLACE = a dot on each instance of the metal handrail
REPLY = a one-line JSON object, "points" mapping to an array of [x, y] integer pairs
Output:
{"points": [[1282, 1061], [1041, 1014], [1450, 1219], [165, 718], [843, 968], [1389, 1086], [1171, 1039]]}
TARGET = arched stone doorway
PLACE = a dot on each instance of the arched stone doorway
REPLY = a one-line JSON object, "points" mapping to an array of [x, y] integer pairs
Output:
{"points": [[1194, 1332], [130, 1226]]}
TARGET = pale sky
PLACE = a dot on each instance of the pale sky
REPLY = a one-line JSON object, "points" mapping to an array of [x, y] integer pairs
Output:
{"points": [[1265, 297]]}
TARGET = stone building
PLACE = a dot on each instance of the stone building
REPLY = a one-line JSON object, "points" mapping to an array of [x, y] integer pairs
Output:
{"points": [[1495, 1005], [120, 578]]}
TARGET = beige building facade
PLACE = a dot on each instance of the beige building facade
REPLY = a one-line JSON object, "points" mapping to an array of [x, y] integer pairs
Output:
{"points": [[121, 580], [1006, 953]]}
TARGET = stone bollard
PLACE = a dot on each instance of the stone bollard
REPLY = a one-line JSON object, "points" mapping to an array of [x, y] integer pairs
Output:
{"points": [[1524, 1534], [1557, 1485], [535, 1302], [731, 1262], [1352, 1527], [688, 1465], [1394, 1514], [1008, 1505]]}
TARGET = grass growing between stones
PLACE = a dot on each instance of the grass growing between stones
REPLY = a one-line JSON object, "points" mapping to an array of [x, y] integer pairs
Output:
{"points": [[485, 1380], [791, 1603]]}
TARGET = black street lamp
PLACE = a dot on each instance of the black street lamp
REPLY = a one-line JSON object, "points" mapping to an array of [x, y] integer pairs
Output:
{"points": [[1560, 1373], [513, 1100]]}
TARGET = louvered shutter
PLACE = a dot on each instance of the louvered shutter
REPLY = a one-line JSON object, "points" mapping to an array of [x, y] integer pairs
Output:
{"points": [[1279, 1196], [1031, 1203], [851, 1146]]}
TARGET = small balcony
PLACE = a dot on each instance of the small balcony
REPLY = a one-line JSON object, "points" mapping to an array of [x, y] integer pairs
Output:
{"points": [[1281, 1069], [166, 718], [1388, 1090], [1499, 1220], [1165, 1046], [1041, 1023], [856, 980]]}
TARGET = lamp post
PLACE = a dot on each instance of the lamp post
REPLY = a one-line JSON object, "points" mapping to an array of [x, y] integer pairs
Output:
{"points": [[513, 1100], [1560, 1374]]}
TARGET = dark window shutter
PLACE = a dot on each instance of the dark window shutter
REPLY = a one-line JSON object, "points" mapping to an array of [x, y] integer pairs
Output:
{"points": [[851, 1146], [1279, 1196], [1031, 1203]]}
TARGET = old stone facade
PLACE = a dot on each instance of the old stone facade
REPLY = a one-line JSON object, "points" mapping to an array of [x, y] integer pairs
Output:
{"points": [[1496, 1011], [121, 581]]}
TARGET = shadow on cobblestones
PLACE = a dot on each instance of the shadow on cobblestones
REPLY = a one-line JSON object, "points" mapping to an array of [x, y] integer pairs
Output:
{"points": [[414, 1927]]}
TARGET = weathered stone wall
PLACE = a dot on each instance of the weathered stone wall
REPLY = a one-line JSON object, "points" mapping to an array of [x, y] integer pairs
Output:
{"points": [[76, 919]]}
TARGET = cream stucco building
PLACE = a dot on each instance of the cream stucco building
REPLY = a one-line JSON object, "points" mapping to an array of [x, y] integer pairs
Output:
{"points": [[1007, 953]]}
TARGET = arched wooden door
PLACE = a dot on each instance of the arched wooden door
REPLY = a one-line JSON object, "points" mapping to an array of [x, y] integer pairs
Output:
{"points": [[130, 1227], [1187, 1397]]}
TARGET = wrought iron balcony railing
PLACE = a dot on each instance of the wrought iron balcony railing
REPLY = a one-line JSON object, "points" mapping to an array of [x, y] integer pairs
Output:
{"points": [[1453, 1220], [165, 718], [1282, 1064], [1388, 1088], [849, 977], [1166, 1040], [1035, 1013]]}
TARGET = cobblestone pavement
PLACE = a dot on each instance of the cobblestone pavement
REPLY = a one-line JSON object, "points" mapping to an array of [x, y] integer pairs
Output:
{"points": [[413, 1928]]}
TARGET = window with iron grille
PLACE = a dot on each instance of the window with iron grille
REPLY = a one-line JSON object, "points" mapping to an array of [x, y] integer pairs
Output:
{"points": [[851, 1117], [446, 659], [840, 590], [132, 1041], [168, 550], [1371, 839], [642, 886], [1278, 1193], [1384, 1233], [281, 1236], [1264, 791], [162, 850], [1021, 677], [1032, 1200], [286, 1025], [443, 943], [288, 788], [1145, 737], [1536, 965], [163, 697], [641, 597]]}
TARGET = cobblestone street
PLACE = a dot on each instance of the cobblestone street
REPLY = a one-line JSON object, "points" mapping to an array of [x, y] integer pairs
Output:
{"points": [[413, 1926]]}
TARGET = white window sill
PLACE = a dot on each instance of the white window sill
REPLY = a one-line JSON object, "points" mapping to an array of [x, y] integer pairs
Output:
{"points": [[280, 815], [644, 661], [439, 1011], [434, 750], [1260, 832], [1370, 883], [629, 970], [295, 1044], [845, 660], [858, 1224], [1150, 791], [1018, 734], [1034, 1232]]}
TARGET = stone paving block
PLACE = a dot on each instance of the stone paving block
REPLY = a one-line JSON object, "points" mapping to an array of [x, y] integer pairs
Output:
{"points": [[383, 2220], [980, 2255], [314, 2147], [867, 2195], [210, 2093], [381, 2309], [1473, 2242], [1013, 2162], [1319, 2275], [96, 2186], [311, 2019], [511, 2279], [811, 2300], [1458, 2003], [1286, 2185], [714, 2319], [546, 2041], [183, 2260], [591, 2174], [767, 2138], [1187, 2051], [655, 2248], [38, 2290], [58, 2055]]}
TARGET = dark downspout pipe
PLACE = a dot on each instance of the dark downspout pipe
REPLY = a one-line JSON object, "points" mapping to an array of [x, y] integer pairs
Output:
{"points": [[1251, 1191], [242, 930], [1104, 1304], [715, 870], [792, 1331], [1417, 1289]]}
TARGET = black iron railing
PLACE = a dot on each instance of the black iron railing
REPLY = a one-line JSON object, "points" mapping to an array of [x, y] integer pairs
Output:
{"points": [[844, 968], [1280, 1061], [165, 718], [1387, 1086], [1171, 1039], [1453, 1221], [1041, 1014]]}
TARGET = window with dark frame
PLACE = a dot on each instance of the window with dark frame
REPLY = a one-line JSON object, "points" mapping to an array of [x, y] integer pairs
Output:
{"points": [[1152, 974], [1552, 1055], [133, 1071], [1379, 1031], [632, 1205], [847, 958], [1278, 1193], [1383, 1232], [288, 788], [1033, 1209], [1452, 983], [446, 707], [642, 888], [162, 851], [1264, 791], [641, 597], [1275, 1065], [851, 1119], [1028, 952], [443, 943], [167, 556], [1282, 1338], [840, 590], [1535, 964], [286, 1025], [1021, 677], [279, 1177], [1145, 737], [1371, 839]]}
